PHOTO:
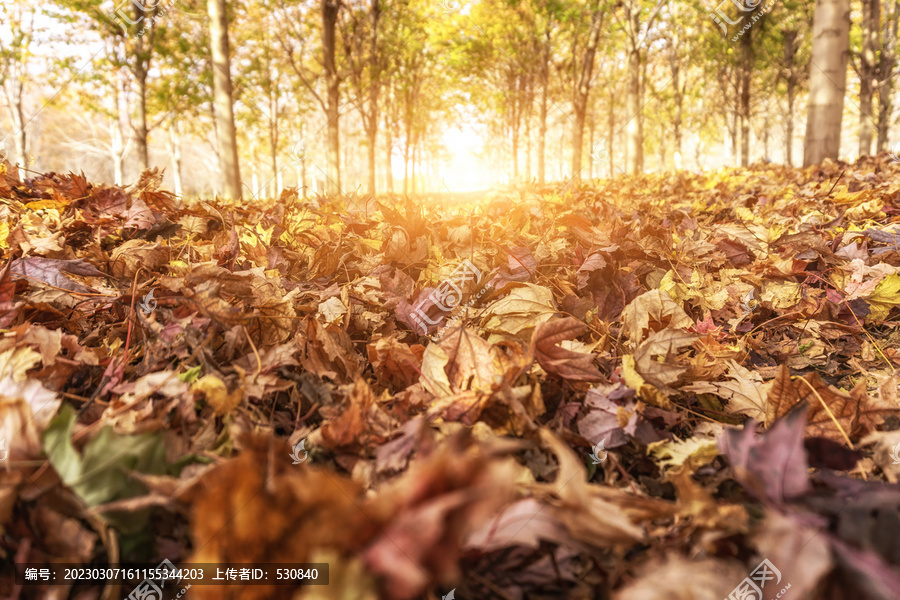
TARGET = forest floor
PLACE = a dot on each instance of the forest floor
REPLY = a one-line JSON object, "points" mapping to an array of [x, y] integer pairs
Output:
{"points": [[669, 386]]}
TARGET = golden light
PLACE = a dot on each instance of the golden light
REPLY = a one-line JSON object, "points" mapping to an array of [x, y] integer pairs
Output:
{"points": [[466, 169]]}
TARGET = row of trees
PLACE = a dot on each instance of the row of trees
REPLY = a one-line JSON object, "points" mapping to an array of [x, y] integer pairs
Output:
{"points": [[260, 81]]}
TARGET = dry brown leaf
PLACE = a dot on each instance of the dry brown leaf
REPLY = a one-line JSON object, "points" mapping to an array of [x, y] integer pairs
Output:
{"points": [[574, 366], [855, 413], [259, 507], [657, 358], [431, 510], [589, 519], [652, 312], [347, 428]]}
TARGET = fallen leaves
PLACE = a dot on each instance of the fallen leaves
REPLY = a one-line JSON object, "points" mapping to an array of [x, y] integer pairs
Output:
{"points": [[625, 398]]}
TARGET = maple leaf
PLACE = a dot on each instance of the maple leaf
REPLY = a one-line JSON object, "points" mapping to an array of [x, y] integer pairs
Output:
{"points": [[852, 414], [746, 392], [574, 366], [462, 361]]}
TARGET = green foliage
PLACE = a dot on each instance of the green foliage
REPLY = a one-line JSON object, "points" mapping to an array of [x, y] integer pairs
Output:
{"points": [[101, 473]]}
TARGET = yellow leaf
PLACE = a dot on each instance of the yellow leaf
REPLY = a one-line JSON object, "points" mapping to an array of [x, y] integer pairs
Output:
{"points": [[523, 308], [16, 361], [703, 292], [45, 204], [217, 394], [885, 297], [374, 244], [696, 451], [265, 234], [780, 294], [647, 392]]}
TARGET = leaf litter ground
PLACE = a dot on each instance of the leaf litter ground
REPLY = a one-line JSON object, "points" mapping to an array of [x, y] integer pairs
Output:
{"points": [[637, 389]]}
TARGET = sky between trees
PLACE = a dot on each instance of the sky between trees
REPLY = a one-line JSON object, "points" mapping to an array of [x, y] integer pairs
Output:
{"points": [[246, 98]]}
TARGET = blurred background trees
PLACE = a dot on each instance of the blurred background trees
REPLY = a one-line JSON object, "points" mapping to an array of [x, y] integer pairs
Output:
{"points": [[244, 98]]}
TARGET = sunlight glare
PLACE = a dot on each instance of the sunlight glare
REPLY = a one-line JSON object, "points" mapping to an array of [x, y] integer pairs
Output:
{"points": [[466, 169]]}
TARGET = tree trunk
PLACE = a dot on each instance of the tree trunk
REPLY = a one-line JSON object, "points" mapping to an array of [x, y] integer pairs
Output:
{"points": [[528, 147], [678, 96], [412, 180], [389, 147], [868, 78], [330, 9], [273, 149], [735, 131], [591, 128], [117, 139], [633, 139], [116, 150], [611, 130], [827, 80], [226, 134], [18, 119], [583, 90], [542, 129], [679, 118], [13, 79], [515, 152], [303, 183], [371, 161], [746, 73], [14, 92], [140, 131], [406, 166], [374, 89], [790, 52], [887, 65], [789, 133], [175, 151]]}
